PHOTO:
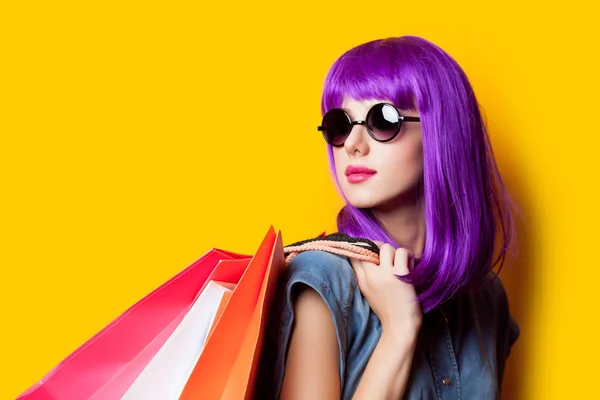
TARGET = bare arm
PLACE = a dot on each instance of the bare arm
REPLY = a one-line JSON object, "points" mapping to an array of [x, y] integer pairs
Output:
{"points": [[394, 302], [312, 366], [388, 369]]}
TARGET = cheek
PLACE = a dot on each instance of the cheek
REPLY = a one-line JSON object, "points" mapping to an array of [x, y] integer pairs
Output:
{"points": [[405, 162], [339, 164], [405, 155]]}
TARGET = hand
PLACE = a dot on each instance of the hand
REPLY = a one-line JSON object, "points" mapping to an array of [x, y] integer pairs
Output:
{"points": [[392, 300]]}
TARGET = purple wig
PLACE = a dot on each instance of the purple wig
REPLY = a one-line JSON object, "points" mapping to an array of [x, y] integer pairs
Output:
{"points": [[462, 191]]}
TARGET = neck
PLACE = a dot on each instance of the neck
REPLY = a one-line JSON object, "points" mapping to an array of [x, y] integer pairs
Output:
{"points": [[405, 223]]}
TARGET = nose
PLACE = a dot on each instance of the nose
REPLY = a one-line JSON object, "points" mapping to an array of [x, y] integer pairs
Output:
{"points": [[358, 140]]}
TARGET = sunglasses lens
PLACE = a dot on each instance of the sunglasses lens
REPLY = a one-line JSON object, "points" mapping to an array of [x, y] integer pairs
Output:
{"points": [[384, 121], [336, 127]]}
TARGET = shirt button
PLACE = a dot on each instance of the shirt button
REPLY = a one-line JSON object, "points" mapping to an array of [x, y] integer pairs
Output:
{"points": [[447, 381]]}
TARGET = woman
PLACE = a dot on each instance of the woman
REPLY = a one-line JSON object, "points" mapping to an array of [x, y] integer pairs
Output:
{"points": [[411, 156]]}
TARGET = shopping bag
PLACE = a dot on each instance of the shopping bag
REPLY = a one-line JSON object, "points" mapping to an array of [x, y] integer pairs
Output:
{"points": [[242, 377], [220, 309], [166, 374], [106, 365], [227, 366]]}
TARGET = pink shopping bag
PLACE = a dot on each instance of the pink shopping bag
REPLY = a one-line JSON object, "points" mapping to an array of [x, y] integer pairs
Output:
{"points": [[106, 365], [167, 373]]}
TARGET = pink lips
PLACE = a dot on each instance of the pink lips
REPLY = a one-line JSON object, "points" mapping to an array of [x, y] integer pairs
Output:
{"points": [[358, 173]]}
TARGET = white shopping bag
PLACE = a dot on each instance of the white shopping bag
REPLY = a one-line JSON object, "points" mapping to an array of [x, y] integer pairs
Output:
{"points": [[169, 370]]}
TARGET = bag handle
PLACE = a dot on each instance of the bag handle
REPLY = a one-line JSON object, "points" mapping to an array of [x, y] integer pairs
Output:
{"points": [[336, 243]]}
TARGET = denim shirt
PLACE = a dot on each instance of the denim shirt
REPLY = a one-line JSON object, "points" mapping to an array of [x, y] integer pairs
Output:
{"points": [[461, 350]]}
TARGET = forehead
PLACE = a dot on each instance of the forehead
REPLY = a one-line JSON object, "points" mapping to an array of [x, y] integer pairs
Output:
{"points": [[349, 102], [361, 106]]}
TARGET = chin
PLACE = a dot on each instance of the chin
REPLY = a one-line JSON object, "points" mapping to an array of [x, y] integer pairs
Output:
{"points": [[375, 199], [363, 200], [362, 204]]}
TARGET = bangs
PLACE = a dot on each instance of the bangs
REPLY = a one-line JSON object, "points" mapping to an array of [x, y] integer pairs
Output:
{"points": [[374, 70]]}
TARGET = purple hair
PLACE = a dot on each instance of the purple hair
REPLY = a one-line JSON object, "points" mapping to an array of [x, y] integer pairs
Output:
{"points": [[462, 190]]}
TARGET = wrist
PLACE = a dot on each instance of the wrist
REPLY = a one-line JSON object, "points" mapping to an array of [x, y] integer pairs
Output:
{"points": [[401, 334]]}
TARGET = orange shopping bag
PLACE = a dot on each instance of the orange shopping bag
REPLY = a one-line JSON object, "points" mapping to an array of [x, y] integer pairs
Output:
{"points": [[228, 364]]}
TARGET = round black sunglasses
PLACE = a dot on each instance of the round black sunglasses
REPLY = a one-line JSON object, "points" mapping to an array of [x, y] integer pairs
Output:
{"points": [[383, 124]]}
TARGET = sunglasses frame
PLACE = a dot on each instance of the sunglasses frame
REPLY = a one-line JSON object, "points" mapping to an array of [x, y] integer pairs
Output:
{"points": [[401, 119]]}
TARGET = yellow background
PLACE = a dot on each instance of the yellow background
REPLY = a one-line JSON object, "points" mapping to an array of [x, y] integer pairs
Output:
{"points": [[138, 135]]}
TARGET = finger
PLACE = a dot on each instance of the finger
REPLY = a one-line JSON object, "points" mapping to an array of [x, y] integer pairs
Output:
{"points": [[401, 260], [386, 255], [378, 243], [369, 268]]}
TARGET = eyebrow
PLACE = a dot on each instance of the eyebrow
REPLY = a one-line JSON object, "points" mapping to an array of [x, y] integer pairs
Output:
{"points": [[348, 111], [400, 111]]}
